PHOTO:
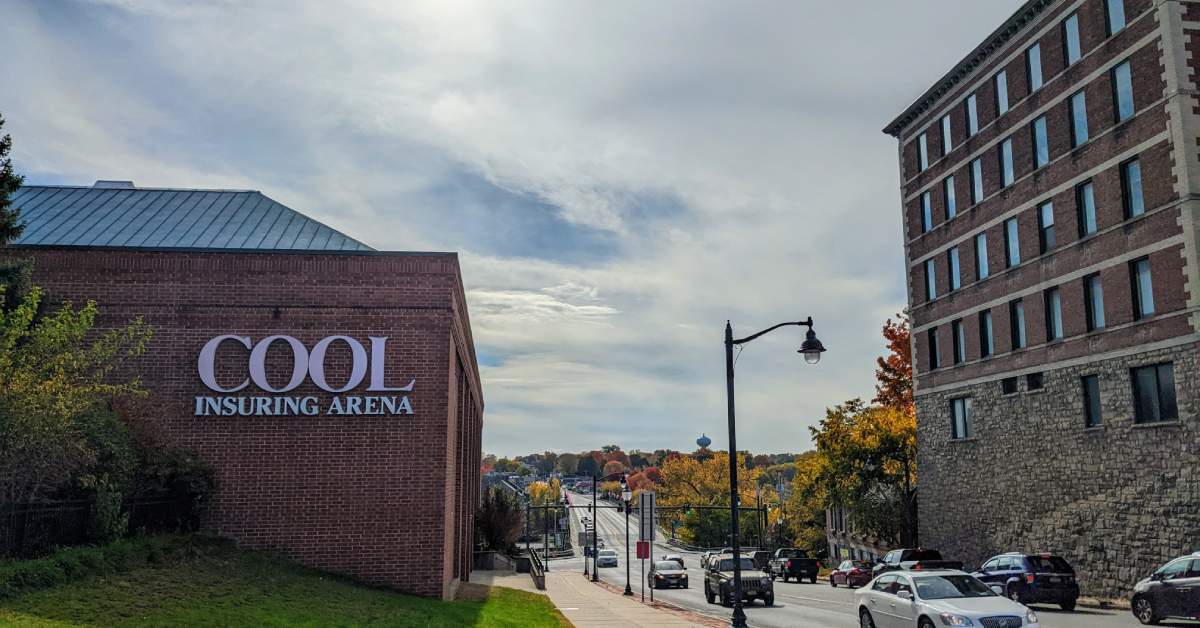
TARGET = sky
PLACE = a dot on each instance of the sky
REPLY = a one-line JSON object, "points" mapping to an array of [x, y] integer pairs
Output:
{"points": [[618, 178]]}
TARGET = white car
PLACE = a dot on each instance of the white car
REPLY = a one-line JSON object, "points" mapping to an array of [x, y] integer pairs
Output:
{"points": [[932, 599], [607, 558]]}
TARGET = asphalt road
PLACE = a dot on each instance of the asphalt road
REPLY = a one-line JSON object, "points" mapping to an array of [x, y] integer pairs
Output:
{"points": [[796, 604]]}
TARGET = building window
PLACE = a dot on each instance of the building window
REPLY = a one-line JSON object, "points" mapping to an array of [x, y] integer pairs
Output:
{"points": [[1033, 65], [1131, 188], [1054, 325], [1071, 48], [1154, 393], [1085, 203], [986, 347], [1122, 82], [930, 280], [1046, 237], [1007, 176], [1012, 246], [981, 257], [926, 212], [1016, 323], [1001, 93], [935, 356], [1091, 400], [955, 280], [922, 152], [1079, 123], [1034, 381], [1041, 143], [972, 107], [976, 181], [1143, 288], [947, 140], [948, 192], [960, 341], [960, 412], [1093, 302], [1114, 16], [1008, 386]]}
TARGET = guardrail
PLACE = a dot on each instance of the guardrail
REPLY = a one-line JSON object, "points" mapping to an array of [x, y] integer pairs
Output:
{"points": [[537, 570]]}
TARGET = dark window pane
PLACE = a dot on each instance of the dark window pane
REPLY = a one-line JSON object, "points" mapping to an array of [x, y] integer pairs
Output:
{"points": [[1166, 392], [1145, 394], [1091, 401]]}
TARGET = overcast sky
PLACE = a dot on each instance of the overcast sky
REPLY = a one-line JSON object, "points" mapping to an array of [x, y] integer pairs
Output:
{"points": [[619, 178]]}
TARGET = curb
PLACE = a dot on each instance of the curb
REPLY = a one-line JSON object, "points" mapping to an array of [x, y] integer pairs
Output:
{"points": [[1104, 604], [667, 607]]}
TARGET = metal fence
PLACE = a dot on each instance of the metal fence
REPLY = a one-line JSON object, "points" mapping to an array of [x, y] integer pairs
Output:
{"points": [[32, 530]]}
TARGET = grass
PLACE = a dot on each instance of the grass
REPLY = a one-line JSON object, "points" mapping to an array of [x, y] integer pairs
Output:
{"points": [[217, 585]]}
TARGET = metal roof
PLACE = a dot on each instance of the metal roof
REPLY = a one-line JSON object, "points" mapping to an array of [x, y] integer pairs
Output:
{"points": [[127, 216]]}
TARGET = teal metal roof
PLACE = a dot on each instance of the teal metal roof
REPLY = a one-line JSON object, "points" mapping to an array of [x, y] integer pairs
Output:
{"points": [[116, 214]]}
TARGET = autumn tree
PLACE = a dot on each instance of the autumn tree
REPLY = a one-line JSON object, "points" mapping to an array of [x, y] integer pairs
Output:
{"points": [[805, 508], [894, 372], [567, 463], [613, 467], [687, 481]]}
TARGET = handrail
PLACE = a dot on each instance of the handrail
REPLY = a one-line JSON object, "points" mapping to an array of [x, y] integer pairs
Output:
{"points": [[537, 570]]}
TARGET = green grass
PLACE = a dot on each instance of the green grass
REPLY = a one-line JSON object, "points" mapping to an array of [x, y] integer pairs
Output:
{"points": [[217, 585]]}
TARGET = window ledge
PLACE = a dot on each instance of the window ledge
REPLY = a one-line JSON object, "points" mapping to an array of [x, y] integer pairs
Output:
{"points": [[1157, 424], [1036, 391], [1095, 429], [969, 439]]}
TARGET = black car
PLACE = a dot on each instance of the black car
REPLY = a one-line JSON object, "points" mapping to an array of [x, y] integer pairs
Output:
{"points": [[1032, 578], [1172, 591], [665, 574], [914, 559]]}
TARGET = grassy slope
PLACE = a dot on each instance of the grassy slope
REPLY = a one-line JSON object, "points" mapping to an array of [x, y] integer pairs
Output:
{"points": [[224, 587]]}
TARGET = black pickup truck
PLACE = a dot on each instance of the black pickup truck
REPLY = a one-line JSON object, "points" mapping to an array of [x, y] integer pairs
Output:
{"points": [[914, 559], [790, 562]]}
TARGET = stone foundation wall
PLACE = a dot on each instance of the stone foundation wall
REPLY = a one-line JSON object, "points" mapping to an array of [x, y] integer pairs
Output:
{"points": [[1116, 500]]}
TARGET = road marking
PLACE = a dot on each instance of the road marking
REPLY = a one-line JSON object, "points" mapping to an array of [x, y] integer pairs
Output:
{"points": [[811, 599]]}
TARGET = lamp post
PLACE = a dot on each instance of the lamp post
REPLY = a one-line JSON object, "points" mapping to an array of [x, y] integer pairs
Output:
{"points": [[595, 525], [626, 495], [811, 349]]}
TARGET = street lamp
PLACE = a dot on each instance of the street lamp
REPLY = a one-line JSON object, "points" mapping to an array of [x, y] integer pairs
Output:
{"points": [[626, 495], [811, 349], [595, 526]]}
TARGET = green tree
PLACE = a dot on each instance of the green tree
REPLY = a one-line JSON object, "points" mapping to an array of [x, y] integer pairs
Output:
{"points": [[498, 520], [608, 449], [14, 273], [55, 373], [568, 463]]}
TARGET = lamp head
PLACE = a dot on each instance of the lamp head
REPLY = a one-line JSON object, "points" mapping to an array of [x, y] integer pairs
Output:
{"points": [[811, 348]]}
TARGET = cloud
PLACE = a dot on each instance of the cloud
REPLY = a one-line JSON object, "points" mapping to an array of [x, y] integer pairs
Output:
{"points": [[619, 178]]}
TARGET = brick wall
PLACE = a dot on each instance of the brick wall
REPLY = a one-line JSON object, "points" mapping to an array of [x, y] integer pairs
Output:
{"points": [[385, 499]]}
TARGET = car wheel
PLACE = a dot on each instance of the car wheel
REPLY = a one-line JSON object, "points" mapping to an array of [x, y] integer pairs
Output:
{"points": [[813, 579], [1015, 594], [832, 583], [865, 620], [1143, 609], [1068, 605], [726, 599], [925, 623], [708, 595], [772, 577], [769, 600], [685, 585]]}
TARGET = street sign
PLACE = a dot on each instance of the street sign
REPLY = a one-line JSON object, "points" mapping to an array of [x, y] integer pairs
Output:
{"points": [[646, 516], [643, 550]]}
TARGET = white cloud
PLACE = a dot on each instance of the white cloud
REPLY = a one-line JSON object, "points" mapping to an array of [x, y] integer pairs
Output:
{"points": [[703, 161]]}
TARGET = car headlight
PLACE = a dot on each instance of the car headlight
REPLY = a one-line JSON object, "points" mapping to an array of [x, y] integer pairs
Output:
{"points": [[1030, 616], [950, 619], [766, 581]]}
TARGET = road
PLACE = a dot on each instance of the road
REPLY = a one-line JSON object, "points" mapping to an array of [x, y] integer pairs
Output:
{"points": [[796, 604]]}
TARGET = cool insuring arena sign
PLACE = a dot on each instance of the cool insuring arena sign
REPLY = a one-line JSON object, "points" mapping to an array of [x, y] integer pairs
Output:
{"points": [[306, 364]]}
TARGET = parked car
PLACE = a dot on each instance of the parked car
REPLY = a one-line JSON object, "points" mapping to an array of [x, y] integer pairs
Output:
{"points": [[761, 558], [852, 573], [1171, 591], [790, 562], [918, 559], [666, 574], [675, 557], [1032, 578], [920, 599], [718, 581], [606, 558]]}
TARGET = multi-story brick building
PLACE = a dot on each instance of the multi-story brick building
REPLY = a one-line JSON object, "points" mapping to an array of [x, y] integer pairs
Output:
{"points": [[333, 387], [1051, 196]]}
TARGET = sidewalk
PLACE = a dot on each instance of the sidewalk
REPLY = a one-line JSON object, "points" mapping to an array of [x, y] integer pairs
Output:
{"points": [[587, 605]]}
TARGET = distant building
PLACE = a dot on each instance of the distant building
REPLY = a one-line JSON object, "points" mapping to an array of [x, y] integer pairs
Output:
{"points": [[1051, 198], [846, 543]]}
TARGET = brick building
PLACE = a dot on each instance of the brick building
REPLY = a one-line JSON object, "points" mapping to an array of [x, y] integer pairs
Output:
{"points": [[1051, 190], [333, 387]]}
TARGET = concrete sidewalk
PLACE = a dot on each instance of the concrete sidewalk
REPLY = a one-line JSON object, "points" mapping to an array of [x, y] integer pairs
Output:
{"points": [[587, 604]]}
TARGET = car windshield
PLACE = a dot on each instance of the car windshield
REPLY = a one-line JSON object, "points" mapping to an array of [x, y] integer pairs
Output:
{"points": [[944, 587], [922, 555], [667, 565], [1050, 564], [608, 553], [727, 564]]}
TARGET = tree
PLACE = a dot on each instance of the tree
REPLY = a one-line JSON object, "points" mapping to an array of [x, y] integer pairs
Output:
{"points": [[894, 372], [608, 449], [55, 373], [805, 509], [10, 218], [613, 467], [588, 466], [687, 481], [567, 463], [498, 520]]}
